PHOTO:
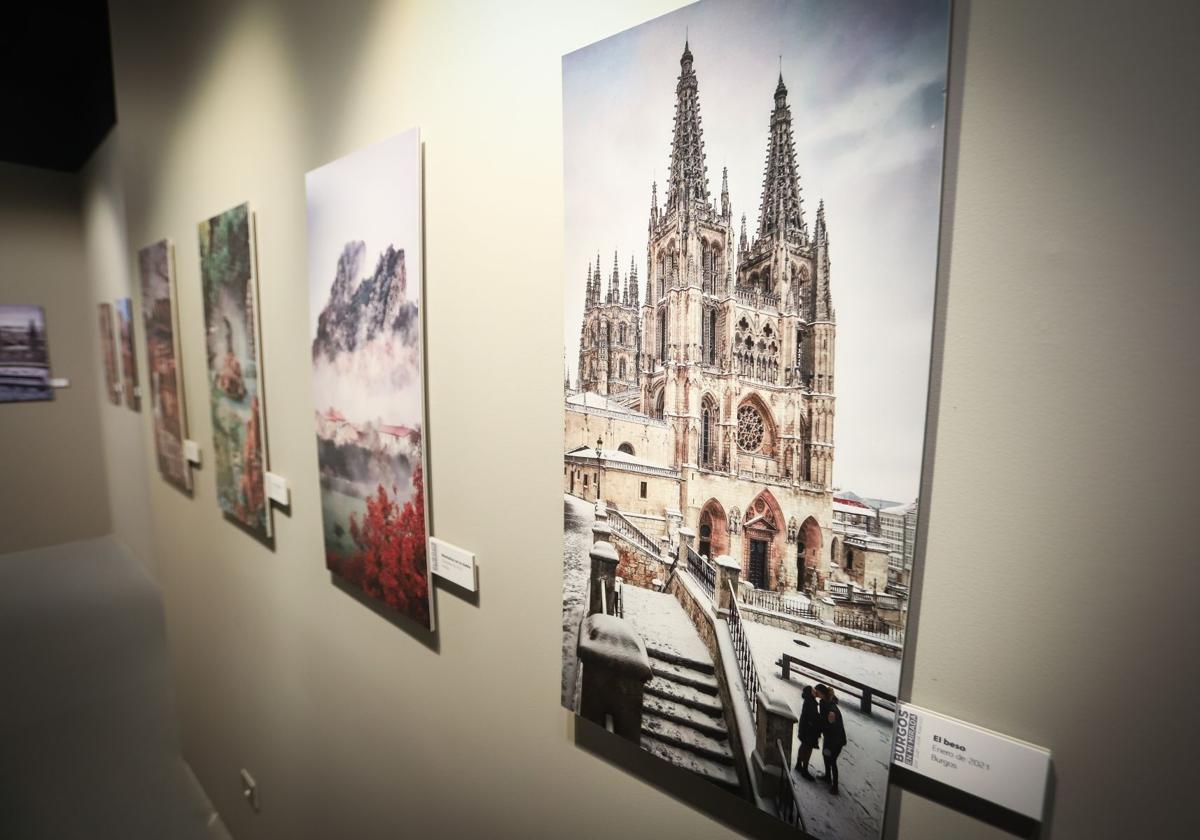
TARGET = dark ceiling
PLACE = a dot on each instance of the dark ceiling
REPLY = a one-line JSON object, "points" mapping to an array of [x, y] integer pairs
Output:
{"points": [[56, 82]]}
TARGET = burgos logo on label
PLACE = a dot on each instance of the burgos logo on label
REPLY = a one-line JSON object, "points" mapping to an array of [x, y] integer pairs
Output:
{"points": [[904, 745]]}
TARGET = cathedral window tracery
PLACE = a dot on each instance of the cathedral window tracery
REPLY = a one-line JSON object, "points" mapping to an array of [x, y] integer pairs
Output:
{"points": [[708, 434], [750, 429]]}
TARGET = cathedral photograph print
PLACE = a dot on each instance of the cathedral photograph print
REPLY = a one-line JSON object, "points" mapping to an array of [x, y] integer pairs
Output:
{"points": [[160, 322], [745, 388], [24, 360], [365, 321], [133, 396], [108, 352], [230, 286]]}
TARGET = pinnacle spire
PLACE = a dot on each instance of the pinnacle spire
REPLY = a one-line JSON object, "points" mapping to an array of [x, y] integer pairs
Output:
{"points": [[689, 180], [726, 210], [614, 282], [780, 212]]}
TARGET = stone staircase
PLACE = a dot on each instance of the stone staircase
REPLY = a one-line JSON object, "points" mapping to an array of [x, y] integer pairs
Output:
{"points": [[683, 721]]}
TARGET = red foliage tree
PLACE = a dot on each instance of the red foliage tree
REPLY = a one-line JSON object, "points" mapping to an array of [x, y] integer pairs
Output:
{"points": [[391, 550]]}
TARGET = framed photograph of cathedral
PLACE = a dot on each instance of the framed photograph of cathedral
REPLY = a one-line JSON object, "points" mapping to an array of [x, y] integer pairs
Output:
{"points": [[133, 394], [365, 303], [160, 322], [748, 310], [24, 359], [108, 352], [229, 280]]}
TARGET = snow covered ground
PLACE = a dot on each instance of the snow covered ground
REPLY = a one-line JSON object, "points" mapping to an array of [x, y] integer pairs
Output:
{"points": [[578, 517], [857, 813], [663, 624]]}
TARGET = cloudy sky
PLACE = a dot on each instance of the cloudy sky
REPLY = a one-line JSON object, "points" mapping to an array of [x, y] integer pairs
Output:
{"points": [[20, 316], [866, 87]]}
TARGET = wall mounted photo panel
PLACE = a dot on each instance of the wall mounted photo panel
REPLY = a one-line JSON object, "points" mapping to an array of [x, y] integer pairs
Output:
{"points": [[229, 281], [24, 356], [108, 351], [129, 371], [160, 321], [747, 372], [365, 303]]}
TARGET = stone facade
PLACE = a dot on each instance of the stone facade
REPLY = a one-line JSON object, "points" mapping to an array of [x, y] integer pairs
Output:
{"points": [[716, 382]]}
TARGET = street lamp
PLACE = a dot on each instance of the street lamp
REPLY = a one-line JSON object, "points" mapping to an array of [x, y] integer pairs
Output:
{"points": [[599, 467]]}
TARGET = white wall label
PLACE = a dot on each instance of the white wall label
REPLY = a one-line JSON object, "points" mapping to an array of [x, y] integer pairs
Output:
{"points": [[1001, 770], [61, 382], [452, 563], [191, 451], [277, 489]]}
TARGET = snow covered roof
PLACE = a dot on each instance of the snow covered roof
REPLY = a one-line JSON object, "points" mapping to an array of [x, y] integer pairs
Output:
{"points": [[900, 510], [855, 508], [589, 400], [611, 455]]}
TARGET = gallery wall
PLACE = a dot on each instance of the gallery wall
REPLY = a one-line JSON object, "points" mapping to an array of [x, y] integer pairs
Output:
{"points": [[53, 486], [110, 276], [1063, 383]]}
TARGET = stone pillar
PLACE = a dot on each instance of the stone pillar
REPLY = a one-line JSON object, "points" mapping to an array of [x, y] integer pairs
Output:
{"points": [[603, 577], [616, 668], [686, 535], [776, 722], [601, 530], [728, 573]]}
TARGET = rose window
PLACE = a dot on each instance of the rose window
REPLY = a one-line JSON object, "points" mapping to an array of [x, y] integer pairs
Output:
{"points": [[750, 429]]}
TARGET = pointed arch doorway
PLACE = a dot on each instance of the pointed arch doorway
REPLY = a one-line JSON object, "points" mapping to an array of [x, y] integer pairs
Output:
{"points": [[713, 530]]}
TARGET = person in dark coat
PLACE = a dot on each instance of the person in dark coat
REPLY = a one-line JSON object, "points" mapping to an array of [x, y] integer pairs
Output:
{"points": [[810, 730], [833, 734]]}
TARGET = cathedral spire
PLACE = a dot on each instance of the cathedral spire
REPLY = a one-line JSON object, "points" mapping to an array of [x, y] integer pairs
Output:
{"points": [[587, 297], [743, 242], [653, 205], [614, 282], [780, 213], [819, 232], [596, 282], [689, 181], [726, 210], [631, 289]]}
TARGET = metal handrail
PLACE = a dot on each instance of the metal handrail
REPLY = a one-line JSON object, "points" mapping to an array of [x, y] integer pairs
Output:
{"points": [[704, 572], [767, 600], [787, 798], [741, 652], [635, 536]]}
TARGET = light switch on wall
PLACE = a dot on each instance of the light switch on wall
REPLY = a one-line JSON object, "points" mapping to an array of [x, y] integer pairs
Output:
{"points": [[250, 790]]}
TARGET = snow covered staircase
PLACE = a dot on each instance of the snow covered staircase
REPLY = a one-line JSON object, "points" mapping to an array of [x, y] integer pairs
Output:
{"points": [[682, 718]]}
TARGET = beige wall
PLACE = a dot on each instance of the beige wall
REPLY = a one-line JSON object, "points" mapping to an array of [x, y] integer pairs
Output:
{"points": [[52, 478], [1067, 375]]}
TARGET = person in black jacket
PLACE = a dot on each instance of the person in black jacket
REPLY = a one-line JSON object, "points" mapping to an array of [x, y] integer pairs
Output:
{"points": [[833, 734], [810, 730]]}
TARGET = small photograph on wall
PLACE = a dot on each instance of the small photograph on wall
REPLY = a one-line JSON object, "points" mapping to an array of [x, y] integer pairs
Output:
{"points": [[156, 270], [365, 304], [108, 348], [133, 394], [24, 357], [745, 388], [230, 285]]}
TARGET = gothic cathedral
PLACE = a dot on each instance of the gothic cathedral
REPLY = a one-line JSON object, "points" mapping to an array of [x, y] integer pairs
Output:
{"points": [[708, 404]]}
